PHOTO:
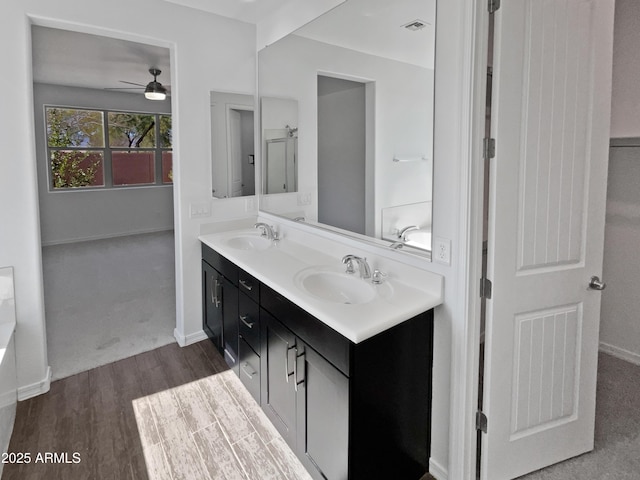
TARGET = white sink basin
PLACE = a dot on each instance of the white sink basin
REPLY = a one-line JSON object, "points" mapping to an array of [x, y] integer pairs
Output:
{"points": [[335, 287], [249, 242]]}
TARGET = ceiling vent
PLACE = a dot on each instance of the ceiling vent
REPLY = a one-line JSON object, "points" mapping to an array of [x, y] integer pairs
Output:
{"points": [[415, 25]]}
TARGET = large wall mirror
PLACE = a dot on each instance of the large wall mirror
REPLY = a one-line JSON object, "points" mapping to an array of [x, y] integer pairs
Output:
{"points": [[357, 84]]}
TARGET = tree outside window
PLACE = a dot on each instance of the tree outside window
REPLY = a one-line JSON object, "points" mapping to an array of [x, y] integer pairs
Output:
{"points": [[93, 148]]}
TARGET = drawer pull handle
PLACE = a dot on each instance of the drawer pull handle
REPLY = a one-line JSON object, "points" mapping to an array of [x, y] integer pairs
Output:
{"points": [[286, 361], [296, 380], [246, 372], [246, 285], [214, 292], [295, 369], [243, 319], [228, 355]]}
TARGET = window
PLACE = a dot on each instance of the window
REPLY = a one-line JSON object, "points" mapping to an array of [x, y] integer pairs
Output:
{"points": [[107, 149]]}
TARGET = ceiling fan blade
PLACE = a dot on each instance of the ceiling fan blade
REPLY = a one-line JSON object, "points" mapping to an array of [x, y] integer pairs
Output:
{"points": [[123, 88], [132, 83]]}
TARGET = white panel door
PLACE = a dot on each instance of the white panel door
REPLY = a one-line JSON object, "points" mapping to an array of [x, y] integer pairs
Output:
{"points": [[550, 118]]}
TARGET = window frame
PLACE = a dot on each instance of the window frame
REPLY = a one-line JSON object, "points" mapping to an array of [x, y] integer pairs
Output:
{"points": [[107, 150]]}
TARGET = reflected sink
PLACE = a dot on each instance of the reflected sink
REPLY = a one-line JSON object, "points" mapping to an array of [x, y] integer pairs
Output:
{"points": [[335, 287], [249, 242]]}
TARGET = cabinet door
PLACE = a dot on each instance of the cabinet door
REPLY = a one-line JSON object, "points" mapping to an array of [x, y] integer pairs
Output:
{"points": [[212, 304], [322, 415], [230, 323], [278, 395]]}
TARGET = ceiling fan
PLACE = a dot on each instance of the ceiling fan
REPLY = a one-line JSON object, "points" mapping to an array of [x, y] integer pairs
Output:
{"points": [[153, 90]]}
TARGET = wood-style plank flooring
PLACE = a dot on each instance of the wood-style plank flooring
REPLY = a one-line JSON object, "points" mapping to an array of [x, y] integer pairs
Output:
{"points": [[171, 413], [94, 413]]}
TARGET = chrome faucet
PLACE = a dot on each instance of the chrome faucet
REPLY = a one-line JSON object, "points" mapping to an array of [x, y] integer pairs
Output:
{"points": [[363, 266], [403, 232], [267, 230]]}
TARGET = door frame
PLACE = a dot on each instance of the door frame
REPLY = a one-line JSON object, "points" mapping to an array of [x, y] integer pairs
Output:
{"points": [[466, 344], [43, 385], [227, 116]]}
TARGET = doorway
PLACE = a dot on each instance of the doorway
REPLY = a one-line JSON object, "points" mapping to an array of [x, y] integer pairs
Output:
{"points": [[342, 153], [544, 234], [106, 198]]}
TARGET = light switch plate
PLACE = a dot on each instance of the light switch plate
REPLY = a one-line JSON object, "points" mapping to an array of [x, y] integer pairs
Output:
{"points": [[199, 210]]}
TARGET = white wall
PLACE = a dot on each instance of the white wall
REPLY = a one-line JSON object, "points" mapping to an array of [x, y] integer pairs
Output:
{"points": [[620, 326], [403, 99], [625, 103], [81, 215], [620, 323], [207, 53]]}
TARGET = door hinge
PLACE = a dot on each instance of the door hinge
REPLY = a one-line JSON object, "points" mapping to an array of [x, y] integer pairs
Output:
{"points": [[481, 421], [494, 5], [488, 148], [485, 288]]}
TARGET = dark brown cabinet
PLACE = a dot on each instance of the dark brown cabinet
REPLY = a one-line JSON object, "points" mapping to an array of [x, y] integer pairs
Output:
{"points": [[212, 304], [307, 399], [249, 332], [349, 411], [220, 304]]}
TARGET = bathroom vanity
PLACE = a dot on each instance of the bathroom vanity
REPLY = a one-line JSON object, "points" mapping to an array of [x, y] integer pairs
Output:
{"points": [[352, 403]]}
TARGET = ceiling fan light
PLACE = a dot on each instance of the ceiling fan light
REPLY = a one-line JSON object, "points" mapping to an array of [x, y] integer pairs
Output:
{"points": [[155, 91], [155, 95]]}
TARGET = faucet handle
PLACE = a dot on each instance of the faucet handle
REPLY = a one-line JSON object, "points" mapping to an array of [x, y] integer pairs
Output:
{"points": [[377, 277], [349, 262]]}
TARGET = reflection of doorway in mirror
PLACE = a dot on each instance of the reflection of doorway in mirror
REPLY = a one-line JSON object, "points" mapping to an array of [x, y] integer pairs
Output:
{"points": [[232, 143], [280, 145], [281, 165], [342, 154], [241, 178]]}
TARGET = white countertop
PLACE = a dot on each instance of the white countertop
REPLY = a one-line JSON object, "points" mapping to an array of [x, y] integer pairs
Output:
{"points": [[405, 292]]}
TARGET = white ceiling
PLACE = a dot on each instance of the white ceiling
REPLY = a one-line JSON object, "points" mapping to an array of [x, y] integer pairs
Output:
{"points": [[62, 57], [250, 11], [375, 27]]}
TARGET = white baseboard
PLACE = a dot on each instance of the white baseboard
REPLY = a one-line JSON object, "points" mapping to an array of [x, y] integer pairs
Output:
{"points": [[620, 353], [195, 337], [437, 471], [35, 389], [106, 236]]}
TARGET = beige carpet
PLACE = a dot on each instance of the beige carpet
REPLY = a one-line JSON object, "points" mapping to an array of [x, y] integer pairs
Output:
{"points": [[616, 455], [108, 299]]}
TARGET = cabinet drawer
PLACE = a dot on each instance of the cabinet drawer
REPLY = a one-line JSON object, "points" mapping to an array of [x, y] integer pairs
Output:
{"points": [[221, 264], [329, 343], [248, 285], [250, 370], [249, 322]]}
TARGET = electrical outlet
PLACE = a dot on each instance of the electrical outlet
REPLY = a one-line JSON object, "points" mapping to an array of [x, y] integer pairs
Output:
{"points": [[249, 204], [304, 199], [442, 250]]}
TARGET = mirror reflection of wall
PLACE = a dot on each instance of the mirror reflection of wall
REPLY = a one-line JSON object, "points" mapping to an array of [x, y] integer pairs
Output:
{"points": [[391, 54], [232, 145], [280, 145]]}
